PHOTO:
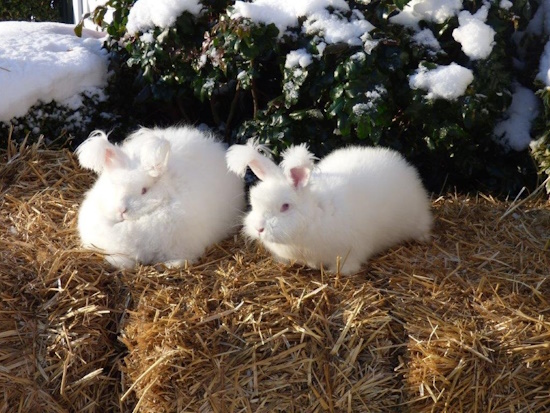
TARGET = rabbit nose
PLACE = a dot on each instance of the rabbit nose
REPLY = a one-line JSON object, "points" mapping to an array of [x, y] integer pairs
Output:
{"points": [[122, 212], [260, 230]]}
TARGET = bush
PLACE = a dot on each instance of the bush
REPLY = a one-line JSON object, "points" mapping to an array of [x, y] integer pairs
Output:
{"points": [[60, 124], [31, 10], [230, 73]]}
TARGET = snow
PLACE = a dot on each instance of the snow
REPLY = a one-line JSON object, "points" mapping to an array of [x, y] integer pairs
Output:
{"points": [[544, 66], [437, 11], [298, 57], [146, 14], [373, 96], [336, 30], [514, 131], [427, 39], [285, 14], [505, 4], [445, 82], [41, 62], [147, 37], [476, 37], [536, 24]]}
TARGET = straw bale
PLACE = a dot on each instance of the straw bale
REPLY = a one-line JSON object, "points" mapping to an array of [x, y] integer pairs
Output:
{"points": [[477, 312], [245, 334], [460, 324], [59, 319]]}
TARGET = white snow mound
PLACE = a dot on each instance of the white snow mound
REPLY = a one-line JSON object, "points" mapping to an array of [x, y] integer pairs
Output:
{"points": [[41, 62], [146, 14], [444, 82]]}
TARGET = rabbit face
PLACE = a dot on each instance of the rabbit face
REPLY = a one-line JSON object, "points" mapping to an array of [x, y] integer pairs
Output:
{"points": [[130, 194], [277, 214], [130, 183]]}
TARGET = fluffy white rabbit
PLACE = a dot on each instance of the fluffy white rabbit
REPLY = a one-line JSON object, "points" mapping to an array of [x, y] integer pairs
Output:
{"points": [[164, 195], [355, 202]]}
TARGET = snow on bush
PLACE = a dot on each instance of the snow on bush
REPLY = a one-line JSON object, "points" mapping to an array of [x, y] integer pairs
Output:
{"points": [[515, 129], [298, 57], [476, 37], [427, 39], [146, 14], [434, 79], [437, 11], [537, 30], [284, 14], [444, 82]]}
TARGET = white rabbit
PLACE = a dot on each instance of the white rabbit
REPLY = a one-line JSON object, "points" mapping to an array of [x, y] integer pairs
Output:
{"points": [[355, 202], [164, 195]]}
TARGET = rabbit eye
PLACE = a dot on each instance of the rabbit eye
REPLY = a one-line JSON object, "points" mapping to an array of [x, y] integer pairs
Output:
{"points": [[285, 207], [143, 191]]}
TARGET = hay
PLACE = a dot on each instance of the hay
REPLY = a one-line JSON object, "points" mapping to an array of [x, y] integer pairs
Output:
{"points": [[459, 324], [59, 319]]}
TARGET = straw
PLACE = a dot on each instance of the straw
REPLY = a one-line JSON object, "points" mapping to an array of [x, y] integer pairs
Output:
{"points": [[459, 324]]}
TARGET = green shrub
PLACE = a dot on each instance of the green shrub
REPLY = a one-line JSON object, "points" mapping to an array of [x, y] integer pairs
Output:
{"points": [[231, 75], [541, 147], [31, 10], [60, 124]]}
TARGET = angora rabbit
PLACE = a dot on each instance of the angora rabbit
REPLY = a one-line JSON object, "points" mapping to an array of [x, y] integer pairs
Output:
{"points": [[354, 203], [164, 195]]}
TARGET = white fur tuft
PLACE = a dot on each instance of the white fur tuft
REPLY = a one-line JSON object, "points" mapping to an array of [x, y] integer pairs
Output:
{"points": [[91, 152], [297, 157], [154, 156], [238, 157]]}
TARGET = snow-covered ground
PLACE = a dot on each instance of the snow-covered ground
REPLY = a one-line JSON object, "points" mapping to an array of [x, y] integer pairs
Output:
{"points": [[45, 62], [41, 62]]}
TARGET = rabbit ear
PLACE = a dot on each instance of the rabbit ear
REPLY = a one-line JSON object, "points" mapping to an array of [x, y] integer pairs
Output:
{"points": [[154, 156], [97, 153], [238, 157], [297, 165]]}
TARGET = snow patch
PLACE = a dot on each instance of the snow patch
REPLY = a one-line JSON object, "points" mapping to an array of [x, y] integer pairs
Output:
{"points": [[544, 66], [373, 97], [437, 11], [445, 82], [41, 62], [298, 57], [146, 14], [427, 39], [505, 4], [476, 37], [337, 30], [514, 131], [285, 14]]}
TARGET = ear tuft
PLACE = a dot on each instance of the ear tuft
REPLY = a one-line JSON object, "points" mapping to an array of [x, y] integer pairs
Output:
{"points": [[154, 156], [95, 151], [238, 157], [297, 164]]}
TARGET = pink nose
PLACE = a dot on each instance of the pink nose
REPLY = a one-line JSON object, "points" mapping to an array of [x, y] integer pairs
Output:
{"points": [[122, 212], [260, 230]]}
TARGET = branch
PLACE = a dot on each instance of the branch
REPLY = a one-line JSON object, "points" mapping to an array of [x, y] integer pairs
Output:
{"points": [[232, 110]]}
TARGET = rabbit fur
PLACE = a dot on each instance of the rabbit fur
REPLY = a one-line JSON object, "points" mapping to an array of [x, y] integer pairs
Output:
{"points": [[164, 195], [354, 203]]}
